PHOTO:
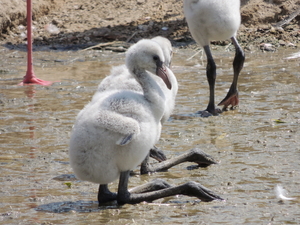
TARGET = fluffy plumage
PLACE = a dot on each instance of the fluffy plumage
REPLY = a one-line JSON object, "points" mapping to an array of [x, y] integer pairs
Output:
{"points": [[115, 131], [121, 79]]}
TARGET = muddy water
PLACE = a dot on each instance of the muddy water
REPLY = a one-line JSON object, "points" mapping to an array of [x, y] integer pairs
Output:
{"points": [[257, 145]]}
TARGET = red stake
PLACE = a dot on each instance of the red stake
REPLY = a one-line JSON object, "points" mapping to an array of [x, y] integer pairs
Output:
{"points": [[30, 78]]}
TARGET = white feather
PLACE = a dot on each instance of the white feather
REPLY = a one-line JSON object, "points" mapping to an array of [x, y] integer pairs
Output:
{"points": [[281, 193]]}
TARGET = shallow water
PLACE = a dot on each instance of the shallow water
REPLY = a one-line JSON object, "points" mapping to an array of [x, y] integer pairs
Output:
{"points": [[256, 145]]}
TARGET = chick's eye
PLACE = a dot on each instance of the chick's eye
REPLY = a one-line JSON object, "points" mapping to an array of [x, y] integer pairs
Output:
{"points": [[155, 58]]}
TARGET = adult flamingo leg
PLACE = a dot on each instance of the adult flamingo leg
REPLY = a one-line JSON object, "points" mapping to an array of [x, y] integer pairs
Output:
{"points": [[30, 78], [232, 97], [216, 20]]}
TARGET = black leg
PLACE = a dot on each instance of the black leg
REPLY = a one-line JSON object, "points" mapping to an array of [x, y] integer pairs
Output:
{"points": [[104, 194], [194, 155], [232, 97], [154, 153], [124, 195], [211, 75], [190, 189], [145, 166], [211, 78]]}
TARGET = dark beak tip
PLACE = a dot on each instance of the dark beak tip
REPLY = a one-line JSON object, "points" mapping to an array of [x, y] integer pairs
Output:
{"points": [[163, 74], [169, 85]]}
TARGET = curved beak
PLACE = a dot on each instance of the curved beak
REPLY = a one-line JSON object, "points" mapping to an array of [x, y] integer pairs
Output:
{"points": [[163, 74]]}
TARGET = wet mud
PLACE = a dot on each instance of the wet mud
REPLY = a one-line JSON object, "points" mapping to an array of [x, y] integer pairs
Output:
{"points": [[256, 145]]}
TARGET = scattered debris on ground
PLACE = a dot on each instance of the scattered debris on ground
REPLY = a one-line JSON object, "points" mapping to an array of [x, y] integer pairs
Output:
{"points": [[74, 24]]}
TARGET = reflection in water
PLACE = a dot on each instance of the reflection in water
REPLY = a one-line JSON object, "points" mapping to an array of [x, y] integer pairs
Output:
{"points": [[33, 177], [254, 152], [29, 92]]}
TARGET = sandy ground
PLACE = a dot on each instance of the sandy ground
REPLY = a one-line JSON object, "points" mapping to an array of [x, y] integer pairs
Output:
{"points": [[78, 23]]}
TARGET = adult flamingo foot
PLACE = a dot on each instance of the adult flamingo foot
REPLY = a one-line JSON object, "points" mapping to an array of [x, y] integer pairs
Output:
{"points": [[232, 98], [34, 80], [209, 112]]}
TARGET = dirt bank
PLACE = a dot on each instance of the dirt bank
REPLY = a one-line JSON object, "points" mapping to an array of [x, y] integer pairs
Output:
{"points": [[83, 24]]}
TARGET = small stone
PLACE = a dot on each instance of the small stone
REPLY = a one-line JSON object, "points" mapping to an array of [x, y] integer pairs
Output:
{"points": [[282, 43], [272, 30], [51, 28], [267, 47], [139, 2]]}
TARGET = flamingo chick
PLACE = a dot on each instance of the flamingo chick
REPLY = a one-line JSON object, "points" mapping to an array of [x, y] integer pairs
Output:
{"points": [[216, 20], [112, 135], [121, 79]]}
